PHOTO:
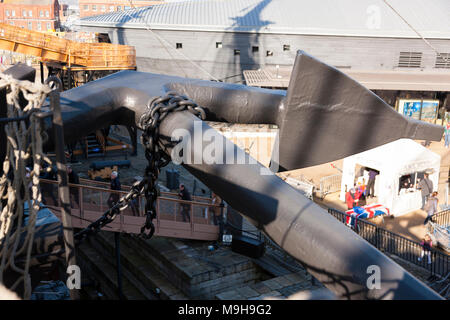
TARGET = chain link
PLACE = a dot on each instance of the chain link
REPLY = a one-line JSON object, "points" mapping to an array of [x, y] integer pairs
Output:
{"points": [[157, 109]]}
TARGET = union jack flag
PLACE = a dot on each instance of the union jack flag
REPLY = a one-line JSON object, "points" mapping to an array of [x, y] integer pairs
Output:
{"points": [[367, 212]]}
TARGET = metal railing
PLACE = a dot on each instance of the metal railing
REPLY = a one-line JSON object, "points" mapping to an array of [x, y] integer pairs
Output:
{"points": [[441, 218], [88, 203], [387, 241], [330, 184]]}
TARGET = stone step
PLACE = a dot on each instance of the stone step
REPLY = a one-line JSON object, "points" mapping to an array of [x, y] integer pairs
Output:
{"points": [[105, 273], [271, 266], [104, 242], [196, 271], [282, 286], [141, 268], [146, 249]]}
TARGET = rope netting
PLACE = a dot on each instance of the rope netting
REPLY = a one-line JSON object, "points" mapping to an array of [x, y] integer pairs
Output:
{"points": [[19, 183]]}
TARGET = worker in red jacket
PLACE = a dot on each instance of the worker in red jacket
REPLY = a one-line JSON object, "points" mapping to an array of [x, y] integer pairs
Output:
{"points": [[351, 198]]}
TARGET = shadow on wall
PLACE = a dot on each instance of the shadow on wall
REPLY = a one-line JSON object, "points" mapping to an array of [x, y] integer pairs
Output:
{"points": [[246, 47]]}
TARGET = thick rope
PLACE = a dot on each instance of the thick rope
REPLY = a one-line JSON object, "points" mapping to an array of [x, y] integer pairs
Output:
{"points": [[17, 186]]}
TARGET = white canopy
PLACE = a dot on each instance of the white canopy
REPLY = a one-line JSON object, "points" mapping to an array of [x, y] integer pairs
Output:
{"points": [[393, 160]]}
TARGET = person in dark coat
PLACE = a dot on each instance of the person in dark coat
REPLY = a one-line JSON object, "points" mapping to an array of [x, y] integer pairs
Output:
{"points": [[185, 208], [48, 173], [371, 183], [431, 207], [115, 185], [426, 188], [218, 213]]}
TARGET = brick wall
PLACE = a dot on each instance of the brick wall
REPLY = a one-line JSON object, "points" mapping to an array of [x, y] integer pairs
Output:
{"points": [[33, 17], [96, 7]]}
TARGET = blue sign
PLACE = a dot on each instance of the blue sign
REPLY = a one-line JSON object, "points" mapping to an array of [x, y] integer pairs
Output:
{"points": [[417, 109]]}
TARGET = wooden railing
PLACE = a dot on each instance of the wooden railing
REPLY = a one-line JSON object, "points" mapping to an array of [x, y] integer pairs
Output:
{"points": [[89, 202], [51, 48]]}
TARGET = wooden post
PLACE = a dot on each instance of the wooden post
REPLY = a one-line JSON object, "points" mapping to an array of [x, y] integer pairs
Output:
{"points": [[42, 71], [80, 201], [118, 266], [63, 188], [192, 219]]}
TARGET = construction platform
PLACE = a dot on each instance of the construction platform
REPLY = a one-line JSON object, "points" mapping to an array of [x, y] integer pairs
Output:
{"points": [[76, 55]]}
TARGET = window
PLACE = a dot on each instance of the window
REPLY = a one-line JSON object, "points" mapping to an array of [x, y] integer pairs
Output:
{"points": [[85, 8], [237, 52], [94, 7], [39, 26], [442, 60], [410, 60], [269, 53], [47, 14], [111, 8], [179, 46], [7, 13], [30, 25], [286, 47], [255, 49], [41, 13], [30, 13], [218, 45], [126, 7], [13, 13], [49, 25], [24, 13], [103, 8]]}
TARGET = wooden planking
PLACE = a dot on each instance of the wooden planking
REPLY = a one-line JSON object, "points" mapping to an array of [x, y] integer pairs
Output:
{"points": [[51, 48]]}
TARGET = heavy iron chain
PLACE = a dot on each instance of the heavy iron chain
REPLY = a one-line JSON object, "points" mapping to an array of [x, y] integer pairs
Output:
{"points": [[157, 109]]}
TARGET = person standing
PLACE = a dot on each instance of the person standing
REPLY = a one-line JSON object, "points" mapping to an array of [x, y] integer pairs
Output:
{"points": [[115, 185], [371, 183], [185, 208], [351, 198], [48, 173], [447, 135], [217, 213], [431, 206], [426, 188], [426, 244]]}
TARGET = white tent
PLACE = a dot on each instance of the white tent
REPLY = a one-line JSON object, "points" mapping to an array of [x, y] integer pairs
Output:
{"points": [[394, 160]]}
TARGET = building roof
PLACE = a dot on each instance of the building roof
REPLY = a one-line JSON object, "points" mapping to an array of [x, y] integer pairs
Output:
{"points": [[30, 2], [372, 79], [371, 18], [402, 156]]}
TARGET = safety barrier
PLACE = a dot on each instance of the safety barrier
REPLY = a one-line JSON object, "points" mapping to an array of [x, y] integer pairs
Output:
{"points": [[441, 218], [330, 184], [88, 203], [387, 241]]}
